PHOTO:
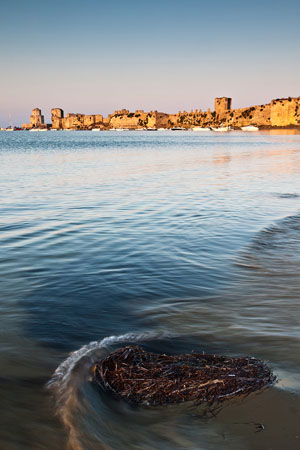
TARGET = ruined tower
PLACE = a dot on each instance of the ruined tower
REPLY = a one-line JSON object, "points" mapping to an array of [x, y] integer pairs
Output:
{"points": [[57, 115], [36, 118], [222, 104]]}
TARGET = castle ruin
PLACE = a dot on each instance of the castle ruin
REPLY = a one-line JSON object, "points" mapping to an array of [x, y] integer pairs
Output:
{"points": [[222, 104], [36, 120], [278, 113]]}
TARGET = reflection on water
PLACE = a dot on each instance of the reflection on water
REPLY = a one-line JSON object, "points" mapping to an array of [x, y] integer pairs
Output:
{"points": [[282, 131], [193, 240]]}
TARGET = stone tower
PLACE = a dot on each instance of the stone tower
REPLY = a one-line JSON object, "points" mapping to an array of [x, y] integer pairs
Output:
{"points": [[57, 115], [36, 118], [222, 104]]}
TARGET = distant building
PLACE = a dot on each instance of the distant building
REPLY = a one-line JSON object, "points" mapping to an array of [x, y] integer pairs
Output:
{"points": [[222, 104], [36, 120], [57, 115]]}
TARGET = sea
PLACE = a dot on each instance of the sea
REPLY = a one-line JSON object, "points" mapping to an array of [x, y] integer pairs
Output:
{"points": [[176, 241]]}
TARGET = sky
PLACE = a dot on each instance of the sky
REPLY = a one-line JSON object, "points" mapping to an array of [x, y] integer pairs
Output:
{"points": [[97, 56]]}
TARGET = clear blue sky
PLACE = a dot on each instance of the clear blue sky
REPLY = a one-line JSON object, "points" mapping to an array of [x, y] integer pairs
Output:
{"points": [[94, 56]]}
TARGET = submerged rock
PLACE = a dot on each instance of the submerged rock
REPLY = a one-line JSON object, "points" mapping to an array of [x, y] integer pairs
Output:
{"points": [[141, 377]]}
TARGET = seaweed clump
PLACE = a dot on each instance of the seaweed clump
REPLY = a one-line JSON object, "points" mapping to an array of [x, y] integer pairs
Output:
{"points": [[141, 377]]}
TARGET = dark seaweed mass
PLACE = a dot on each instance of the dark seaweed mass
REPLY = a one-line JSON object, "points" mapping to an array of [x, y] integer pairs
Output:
{"points": [[146, 378]]}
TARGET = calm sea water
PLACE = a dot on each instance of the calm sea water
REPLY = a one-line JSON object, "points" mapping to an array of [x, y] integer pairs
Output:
{"points": [[178, 241]]}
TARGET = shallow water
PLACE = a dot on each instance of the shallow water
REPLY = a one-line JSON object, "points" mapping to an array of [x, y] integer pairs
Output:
{"points": [[172, 240]]}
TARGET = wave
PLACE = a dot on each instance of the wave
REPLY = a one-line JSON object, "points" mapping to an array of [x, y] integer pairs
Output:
{"points": [[75, 400], [287, 195], [277, 243], [64, 370]]}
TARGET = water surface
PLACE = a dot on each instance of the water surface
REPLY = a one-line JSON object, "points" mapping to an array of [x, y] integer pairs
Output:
{"points": [[173, 240]]}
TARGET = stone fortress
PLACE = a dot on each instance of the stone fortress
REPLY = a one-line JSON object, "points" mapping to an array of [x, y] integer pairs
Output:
{"points": [[36, 120], [283, 112]]}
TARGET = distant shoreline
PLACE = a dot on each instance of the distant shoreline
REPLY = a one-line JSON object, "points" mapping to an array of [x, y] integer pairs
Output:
{"points": [[279, 113], [291, 128]]}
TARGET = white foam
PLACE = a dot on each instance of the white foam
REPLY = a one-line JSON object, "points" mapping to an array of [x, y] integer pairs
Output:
{"points": [[63, 371], [71, 375]]}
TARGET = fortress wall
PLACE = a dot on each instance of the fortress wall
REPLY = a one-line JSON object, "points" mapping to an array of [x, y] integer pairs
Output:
{"points": [[151, 120], [98, 118], [255, 115], [285, 112], [162, 120], [173, 120], [73, 121], [139, 119], [88, 121], [280, 112], [77, 121], [124, 121], [261, 115]]}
